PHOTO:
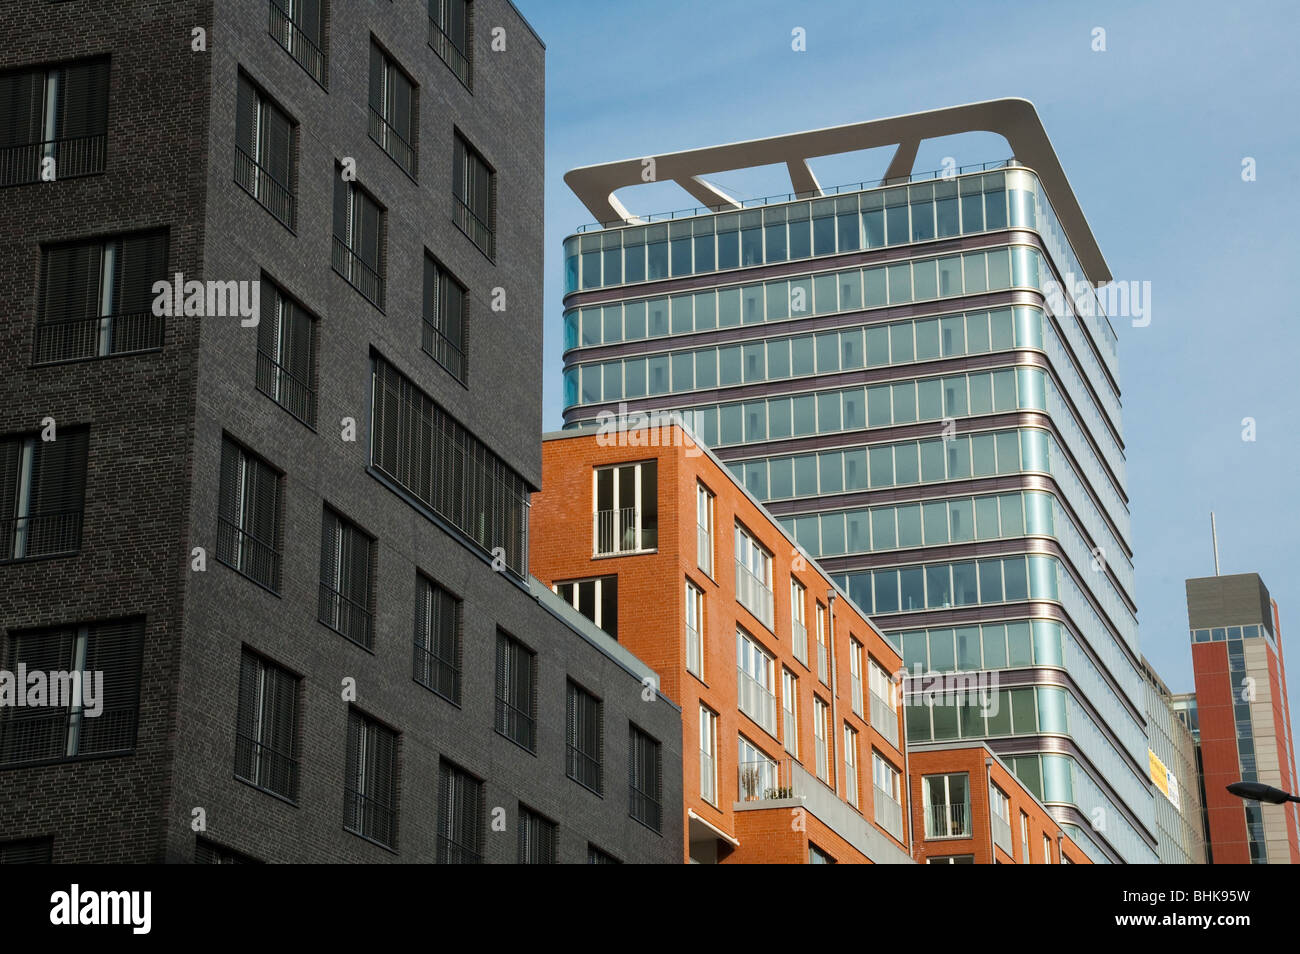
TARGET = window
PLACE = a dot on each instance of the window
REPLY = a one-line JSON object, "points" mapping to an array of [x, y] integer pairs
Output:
{"points": [[65, 728], [645, 779], [266, 152], [851, 766], [855, 674], [1000, 817], [694, 630], [394, 110], [286, 353], [347, 596], [823, 650], [753, 577], [595, 599], [1024, 838], [585, 739], [28, 851], [708, 755], [359, 239], [474, 184], [42, 494], [299, 27], [460, 817], [596, 856], [889, 813], [818, 857], [370, 788], [415, 443], [266, 742], [756, 682], [446, 319], [704, 528], [96, 297], [53, 122], [884, 705], [800, 627], [821, 713], [248, 518], [516, 717], [538, 838], [451, 34], [207, 852], [760, 776], [790, 711], [1047, 850], [951, 860], [438, 620], [626, 508], [947, 805]]}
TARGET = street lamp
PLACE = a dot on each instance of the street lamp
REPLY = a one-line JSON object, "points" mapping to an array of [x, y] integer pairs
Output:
{"points": [[1259, 792]]}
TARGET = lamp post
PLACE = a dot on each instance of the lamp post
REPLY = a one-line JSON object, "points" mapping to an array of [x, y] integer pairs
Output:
{"points": [[1259, 792]]}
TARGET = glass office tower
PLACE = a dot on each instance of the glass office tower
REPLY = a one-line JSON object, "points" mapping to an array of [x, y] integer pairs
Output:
{"points": [[888, 368]]}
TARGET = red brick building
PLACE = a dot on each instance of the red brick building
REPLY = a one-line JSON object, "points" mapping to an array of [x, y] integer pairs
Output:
{"points": [[968, 808], [791, 730]]}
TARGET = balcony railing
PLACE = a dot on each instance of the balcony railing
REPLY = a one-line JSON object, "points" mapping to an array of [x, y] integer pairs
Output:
{"points": [[889, 813], [292, 393], [753, 594], [693, 654], [823, 663], [448, 52], [451, 852], [704, 549], [1002, 833], [884, 719], [443, 350], [800, 640], [297, 44], [765, 780], [263, 766], [947, 821], [348, 617], [392, 142], [73, 157], [480, 232], [616, 531], [582, 768], [708, 778], [76, 339], [855, 686], [370, 818], [757, 701], [357, 273], [246, 554], [851, 784], [439, 674], [272, 194], [823, 767], [40, 534], [514, 723]]}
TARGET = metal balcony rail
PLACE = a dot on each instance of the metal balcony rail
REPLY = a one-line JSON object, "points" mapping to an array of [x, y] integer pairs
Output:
{"points": [[49, 734], [451, 852], [708, 778], [73, 156], [346, 616], [369, 817], [692, 645], [74, 339], [754, 594], [479, 232], [797, 196], [884, 719], [704, 549], [263, 766], [296, 43], [40, 534], [248, 555], [272, 194], [855, 686], [947, 821], [851, 784], [357, 273], [616, 531], [766, 780], [1002, 833], [443, 350], [823, 766], [583, 768], [823, 663], [756, 701], [516, 724], [889, 813], [645, 808], [392, 142], [800, 640], [449, 53], [280, 384], [437, 673]]}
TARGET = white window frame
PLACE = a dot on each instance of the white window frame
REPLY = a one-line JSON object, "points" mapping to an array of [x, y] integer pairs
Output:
{"points": [[708, 755], [619, 494], [790, 711], [704, 509], [851, 765], [820, 713], [597, 582], [753, 661], [855, 675], [695, 614], [799, 620]]}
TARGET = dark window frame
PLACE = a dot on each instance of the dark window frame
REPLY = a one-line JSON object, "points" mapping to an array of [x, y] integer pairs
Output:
{"points": [[516, 678], [43, 494], [382, 115], [442, 665], [295, 37], [644, 806], [474, 194], [441, 291], [237, 545], [257, 115], [280, 365], [354, 202], [348, 555], [459, 56], [539, 838], [255, 756], [581, 708], [452, 827], [363, 811], [24, 151]]}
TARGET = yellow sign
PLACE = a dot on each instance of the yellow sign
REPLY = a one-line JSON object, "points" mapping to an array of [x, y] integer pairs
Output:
{"points": [[1164, 779]]}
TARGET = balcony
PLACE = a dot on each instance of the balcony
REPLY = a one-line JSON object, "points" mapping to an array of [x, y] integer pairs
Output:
{"points": [[753, 594], [889, 814], [481, 233], [274, 196], [449, 52], [40, 534], [799, 639], [708, 778], [357, 273], [884, 719], [786, 783], [757, 701], [855, 686], [348, 618], [76, 339], [947, 821], [620, 531], [1002, 833], [72, 157], [823, 664], [693, 654], [442, 349], [280, 384], [296, 42], [392, 142]]}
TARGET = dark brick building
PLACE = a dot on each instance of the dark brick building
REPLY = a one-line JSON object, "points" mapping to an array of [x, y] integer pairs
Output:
{"points": [[295, 548]]}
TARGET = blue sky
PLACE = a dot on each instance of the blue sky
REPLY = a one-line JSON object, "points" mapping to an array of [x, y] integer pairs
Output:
{"points": [[1151, 133]]}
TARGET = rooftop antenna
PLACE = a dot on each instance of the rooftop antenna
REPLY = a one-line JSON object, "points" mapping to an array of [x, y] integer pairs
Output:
{"points": [[1214, 536]]}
